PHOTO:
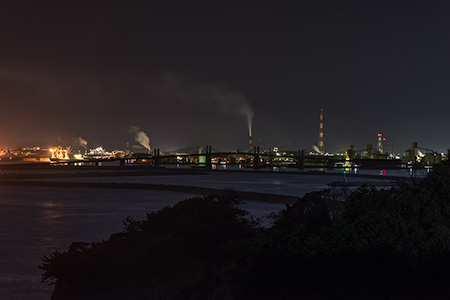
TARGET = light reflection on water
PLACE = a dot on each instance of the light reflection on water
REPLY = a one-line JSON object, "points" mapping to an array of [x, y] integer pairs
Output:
{"points": [[402, 172]]}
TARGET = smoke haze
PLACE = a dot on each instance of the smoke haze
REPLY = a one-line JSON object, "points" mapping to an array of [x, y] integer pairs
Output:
{"points": [[141, 137], [195, 73], [82, 142], [213, 96]]}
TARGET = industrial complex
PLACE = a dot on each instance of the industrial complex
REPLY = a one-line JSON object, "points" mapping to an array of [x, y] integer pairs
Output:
{"points": [[378, 156]]}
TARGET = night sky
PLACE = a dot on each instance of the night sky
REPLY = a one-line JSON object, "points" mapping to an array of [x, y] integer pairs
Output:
{"points": [[186, 72]]}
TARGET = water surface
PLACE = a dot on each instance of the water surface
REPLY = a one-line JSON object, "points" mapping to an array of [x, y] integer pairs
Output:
{"points": [[37, 220]]}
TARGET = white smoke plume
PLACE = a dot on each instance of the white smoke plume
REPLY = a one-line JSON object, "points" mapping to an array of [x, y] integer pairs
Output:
{"points": [[234, 102], [316, 149], [140, 136], [190, 91], [82, 141]]}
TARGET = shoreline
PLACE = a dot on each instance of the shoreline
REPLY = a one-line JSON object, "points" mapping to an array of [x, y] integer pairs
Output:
{"points": [[248, 196], [26, 172]]}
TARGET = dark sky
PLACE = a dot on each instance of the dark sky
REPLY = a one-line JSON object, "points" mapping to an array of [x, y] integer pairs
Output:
{"points": [[185, 73]]}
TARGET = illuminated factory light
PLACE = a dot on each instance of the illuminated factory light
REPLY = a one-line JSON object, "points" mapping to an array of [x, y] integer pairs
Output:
{"points": [[59, 152]]}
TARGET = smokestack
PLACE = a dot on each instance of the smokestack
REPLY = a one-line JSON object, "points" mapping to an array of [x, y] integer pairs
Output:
{"points": [[380, 145], [250, 147], [321, 145]]}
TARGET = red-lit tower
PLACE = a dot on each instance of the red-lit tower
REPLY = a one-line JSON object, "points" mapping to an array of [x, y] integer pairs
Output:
{"points": [[380, 145], [321, 146]]}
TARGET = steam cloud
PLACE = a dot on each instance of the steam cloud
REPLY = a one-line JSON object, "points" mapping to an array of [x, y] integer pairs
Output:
{"points": [[190, 91], [140, 136], [316, 149], [230, 101], [82, 142]]}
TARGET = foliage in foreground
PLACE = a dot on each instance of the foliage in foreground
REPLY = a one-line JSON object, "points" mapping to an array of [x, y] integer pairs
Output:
{"points": [[376, 244], [193, 243]]}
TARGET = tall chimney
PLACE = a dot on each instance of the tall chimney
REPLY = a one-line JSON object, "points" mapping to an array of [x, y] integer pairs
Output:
{"points": [[250, 147], [321, 145], [380, 145]]}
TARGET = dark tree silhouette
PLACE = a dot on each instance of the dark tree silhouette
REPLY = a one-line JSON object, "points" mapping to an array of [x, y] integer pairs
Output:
{"points": [[367, 244]]}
